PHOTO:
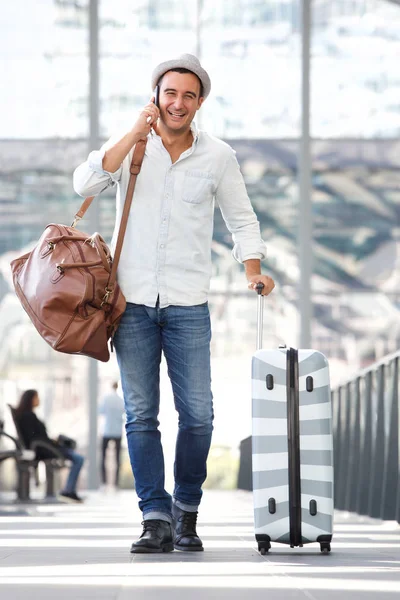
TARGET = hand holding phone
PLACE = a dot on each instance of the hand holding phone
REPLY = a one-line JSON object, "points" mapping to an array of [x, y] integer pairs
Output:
{"points": [[156, 100]]}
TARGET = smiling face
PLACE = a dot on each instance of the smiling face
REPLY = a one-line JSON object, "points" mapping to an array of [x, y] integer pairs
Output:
{"points": [[179, 100]]}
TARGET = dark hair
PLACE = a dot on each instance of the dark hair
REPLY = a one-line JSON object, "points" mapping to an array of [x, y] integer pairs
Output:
{"points": [[183, 70], [26, 402]]}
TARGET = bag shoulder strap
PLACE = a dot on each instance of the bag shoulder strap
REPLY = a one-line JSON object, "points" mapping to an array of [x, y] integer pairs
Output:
{"points": [[136, 164]]}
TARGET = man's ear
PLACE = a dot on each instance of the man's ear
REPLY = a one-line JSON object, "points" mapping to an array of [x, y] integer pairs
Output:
{"points": [[201, 100]]}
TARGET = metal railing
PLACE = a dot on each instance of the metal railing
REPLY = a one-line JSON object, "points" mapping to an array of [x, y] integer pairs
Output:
{"points": [[366, 441]]}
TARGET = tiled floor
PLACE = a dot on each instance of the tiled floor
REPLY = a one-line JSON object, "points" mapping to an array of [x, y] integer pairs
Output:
{"points": [[82, 552]]}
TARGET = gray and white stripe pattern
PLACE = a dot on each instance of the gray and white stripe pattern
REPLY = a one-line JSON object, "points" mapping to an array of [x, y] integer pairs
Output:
{"points": [[270, 445]]}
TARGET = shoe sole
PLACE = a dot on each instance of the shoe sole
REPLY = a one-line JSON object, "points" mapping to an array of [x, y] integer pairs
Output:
{"points": [[144, 550], [71, 500], [189, 548]]}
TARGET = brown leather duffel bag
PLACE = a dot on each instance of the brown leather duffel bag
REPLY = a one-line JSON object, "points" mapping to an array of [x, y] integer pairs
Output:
{"points": [[67, 283]]}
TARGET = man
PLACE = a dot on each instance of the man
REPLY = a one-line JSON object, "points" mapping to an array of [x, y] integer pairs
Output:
{"points": [[112, 409], [164, 272]]}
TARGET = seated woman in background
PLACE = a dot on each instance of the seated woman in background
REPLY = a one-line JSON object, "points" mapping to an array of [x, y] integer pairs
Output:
{"points": [[32, 428]]}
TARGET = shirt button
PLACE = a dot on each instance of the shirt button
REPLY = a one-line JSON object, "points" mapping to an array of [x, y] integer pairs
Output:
{"points": [[162, 246]]}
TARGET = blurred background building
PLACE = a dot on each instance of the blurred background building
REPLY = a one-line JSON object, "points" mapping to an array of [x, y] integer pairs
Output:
{"points": [[251, 49]]}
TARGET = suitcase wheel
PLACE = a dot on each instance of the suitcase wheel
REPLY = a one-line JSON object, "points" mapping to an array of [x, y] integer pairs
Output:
{"points": [[263, 547], [325, 547]]}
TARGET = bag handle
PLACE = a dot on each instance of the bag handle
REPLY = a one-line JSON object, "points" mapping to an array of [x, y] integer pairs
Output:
{"points": [[135, 167]]}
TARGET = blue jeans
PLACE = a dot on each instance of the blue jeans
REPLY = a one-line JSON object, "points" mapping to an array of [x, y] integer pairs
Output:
{"points": [[77, 463], [183, 334]]}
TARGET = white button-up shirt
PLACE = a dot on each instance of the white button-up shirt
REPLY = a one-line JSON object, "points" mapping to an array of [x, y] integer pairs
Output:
{"points": [[167, 247]]}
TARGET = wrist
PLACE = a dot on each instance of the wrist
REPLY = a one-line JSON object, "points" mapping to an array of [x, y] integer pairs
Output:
{"points": [[252, 267], [135, 135], [252, 276]]}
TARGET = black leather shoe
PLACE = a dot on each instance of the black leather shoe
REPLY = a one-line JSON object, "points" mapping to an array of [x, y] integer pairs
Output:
{"points": [[156, 537], [185, 534], [70, 497]]}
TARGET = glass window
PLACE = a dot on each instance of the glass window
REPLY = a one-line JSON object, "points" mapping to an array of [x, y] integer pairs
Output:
{"points": [[44, 69], [246, 46], [355, 81]]}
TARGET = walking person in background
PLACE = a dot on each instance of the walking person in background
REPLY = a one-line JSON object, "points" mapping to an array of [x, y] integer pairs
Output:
{"points": [[112, 409], [164, 273], [32, 428]]}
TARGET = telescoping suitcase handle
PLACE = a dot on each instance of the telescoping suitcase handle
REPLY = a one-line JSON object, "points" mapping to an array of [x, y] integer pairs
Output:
{"points": [[260, 315]]}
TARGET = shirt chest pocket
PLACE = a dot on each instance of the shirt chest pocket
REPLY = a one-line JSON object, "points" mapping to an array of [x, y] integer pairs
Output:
{"points": [[197, 186]]}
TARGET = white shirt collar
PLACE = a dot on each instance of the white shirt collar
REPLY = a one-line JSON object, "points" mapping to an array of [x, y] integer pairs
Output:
{"points": [[193, 129]]}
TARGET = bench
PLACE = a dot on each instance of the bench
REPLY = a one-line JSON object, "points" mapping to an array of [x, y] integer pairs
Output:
{"points": [[23, 460], [25, 467]]}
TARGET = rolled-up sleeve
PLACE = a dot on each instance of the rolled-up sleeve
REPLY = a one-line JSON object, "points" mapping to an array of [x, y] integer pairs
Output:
{"points": [[238, 213], [90, 178]]}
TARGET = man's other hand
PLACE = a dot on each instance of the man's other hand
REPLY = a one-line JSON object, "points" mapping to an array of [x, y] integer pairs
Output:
{"points": [[268, 283]]}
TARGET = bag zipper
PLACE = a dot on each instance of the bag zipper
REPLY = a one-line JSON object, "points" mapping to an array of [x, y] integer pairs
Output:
{"points": [[87, 270], [84, 302]]}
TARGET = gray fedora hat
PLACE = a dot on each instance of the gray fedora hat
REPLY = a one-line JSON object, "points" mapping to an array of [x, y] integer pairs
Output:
{"points": [[185, 61]]}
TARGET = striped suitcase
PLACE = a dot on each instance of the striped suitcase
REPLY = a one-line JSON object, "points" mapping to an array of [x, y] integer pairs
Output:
{"points": [[292, 449]]}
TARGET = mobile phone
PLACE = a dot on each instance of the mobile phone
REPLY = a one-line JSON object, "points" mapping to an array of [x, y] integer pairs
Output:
{"points": [[157, 96], [156, 99]]}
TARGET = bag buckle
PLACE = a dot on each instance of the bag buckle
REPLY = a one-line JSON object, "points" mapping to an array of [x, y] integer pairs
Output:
{"points": [[90, 241], [106, 296], [75, 221]]}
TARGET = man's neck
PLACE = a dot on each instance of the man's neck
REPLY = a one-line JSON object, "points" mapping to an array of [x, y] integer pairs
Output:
{"points": [[176, 143], [175, 140]]}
